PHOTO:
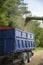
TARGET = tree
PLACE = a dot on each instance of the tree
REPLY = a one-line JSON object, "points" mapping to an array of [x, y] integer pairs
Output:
{"points": [[33, 27], [41, 37], [11, 11]]}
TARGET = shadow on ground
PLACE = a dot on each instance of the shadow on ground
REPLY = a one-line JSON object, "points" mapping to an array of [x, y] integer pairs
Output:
{"points": [[41, 63]]}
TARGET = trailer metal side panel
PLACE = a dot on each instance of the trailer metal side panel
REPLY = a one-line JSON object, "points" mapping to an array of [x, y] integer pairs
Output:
{"points": [[17, 33], [1, 45], [8, 33], [14, 40], [23, 34], [9, 45], [0, 33]]}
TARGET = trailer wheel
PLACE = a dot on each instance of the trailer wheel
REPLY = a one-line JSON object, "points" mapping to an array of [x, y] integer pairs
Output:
{"points": [[5, 61], [24, 58], [29, 56]]}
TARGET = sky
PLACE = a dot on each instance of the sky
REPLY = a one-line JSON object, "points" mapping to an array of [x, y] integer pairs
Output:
{"points": [[35, 6]]}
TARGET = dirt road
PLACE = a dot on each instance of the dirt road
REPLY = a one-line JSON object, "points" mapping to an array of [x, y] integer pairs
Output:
{"points": [[37, 59]]}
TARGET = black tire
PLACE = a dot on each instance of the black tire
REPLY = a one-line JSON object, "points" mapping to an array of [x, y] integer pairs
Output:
{"points": [[29, 56], [24, 58]]}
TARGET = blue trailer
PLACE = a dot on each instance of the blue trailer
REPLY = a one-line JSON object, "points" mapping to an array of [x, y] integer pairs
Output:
{"points": [[15, 45]]}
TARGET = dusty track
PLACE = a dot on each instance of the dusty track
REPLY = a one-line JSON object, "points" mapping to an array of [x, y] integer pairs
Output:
{"points": [[37, 59]]}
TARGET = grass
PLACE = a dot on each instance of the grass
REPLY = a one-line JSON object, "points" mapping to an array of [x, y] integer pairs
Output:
{"points": [[38, 48]]}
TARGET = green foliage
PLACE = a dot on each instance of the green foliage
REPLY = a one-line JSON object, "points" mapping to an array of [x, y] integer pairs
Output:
{"points": [[37, 42], [12, 10], [33, 27]]}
